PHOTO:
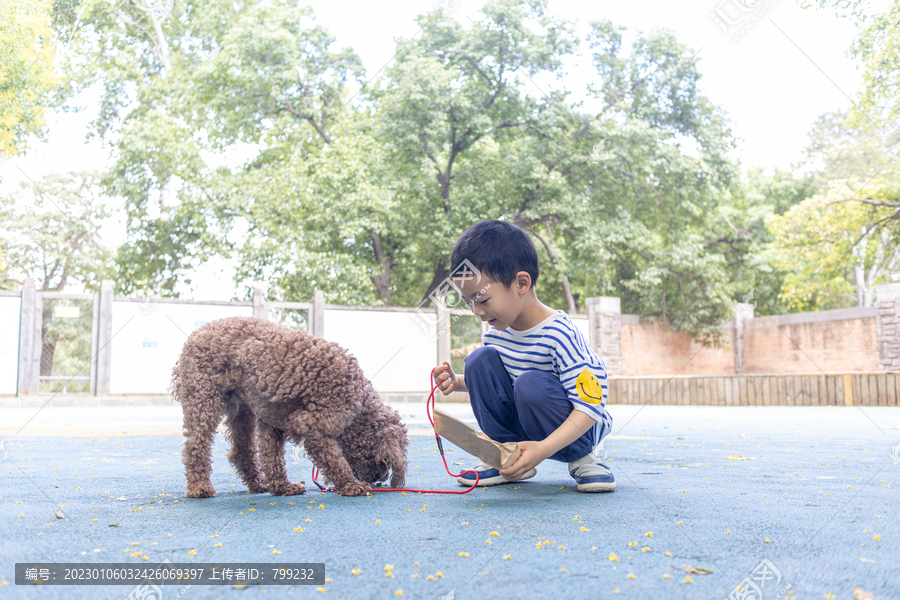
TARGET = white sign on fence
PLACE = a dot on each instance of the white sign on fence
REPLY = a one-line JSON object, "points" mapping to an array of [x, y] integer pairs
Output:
{"points": [[147, 339], [392, 349], [10, 310]]}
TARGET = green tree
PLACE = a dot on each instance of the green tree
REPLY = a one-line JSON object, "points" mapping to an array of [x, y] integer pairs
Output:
{"points": [[27, 74]]}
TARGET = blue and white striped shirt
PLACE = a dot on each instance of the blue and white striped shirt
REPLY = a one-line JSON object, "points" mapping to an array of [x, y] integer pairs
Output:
{"points": [[555, 345]]}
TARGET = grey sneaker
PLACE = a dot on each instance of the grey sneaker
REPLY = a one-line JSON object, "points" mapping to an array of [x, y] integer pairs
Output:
{"points": [[488, 475], [593, 477]]}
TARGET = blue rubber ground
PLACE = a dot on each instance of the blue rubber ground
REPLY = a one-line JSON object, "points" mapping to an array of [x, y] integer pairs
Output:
{"points": [[815, 492]]}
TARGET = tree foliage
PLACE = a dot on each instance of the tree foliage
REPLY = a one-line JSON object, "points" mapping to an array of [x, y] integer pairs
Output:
{"points": [[27, 73], [360, 187], [50, 231]]}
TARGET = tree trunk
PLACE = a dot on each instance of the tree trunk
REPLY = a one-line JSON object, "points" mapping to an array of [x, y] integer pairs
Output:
{"points": [[554, 258], [440, 274], [382, 282]]}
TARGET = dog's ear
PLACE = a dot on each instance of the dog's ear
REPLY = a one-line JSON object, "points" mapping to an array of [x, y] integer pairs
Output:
{"points": [[393, 451]]}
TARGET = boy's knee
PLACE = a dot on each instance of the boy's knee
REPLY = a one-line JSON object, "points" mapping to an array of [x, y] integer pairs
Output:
{"points": [[481, 357], [530, 387]]}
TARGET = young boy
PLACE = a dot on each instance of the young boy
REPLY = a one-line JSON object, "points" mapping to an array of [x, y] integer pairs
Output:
{"points": [[536, 381]]}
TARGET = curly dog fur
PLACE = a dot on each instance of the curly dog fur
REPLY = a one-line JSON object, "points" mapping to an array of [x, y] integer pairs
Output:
{"points": [[273, 383]]}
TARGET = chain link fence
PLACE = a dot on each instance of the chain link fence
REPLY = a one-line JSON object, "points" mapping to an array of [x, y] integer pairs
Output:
{"points": [[465, 338], [65, 346], [295, 318]]}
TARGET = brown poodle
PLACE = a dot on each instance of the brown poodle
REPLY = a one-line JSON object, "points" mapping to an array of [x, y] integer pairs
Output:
{"points": [[277, 383]]}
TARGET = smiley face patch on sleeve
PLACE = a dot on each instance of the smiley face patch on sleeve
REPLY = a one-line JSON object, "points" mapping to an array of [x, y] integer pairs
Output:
{"points": [[589, 388]]}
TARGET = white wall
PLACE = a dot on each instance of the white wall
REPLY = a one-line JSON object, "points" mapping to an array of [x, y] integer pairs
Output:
{"points": [[147, 340], [391, 347], [10, 314]]}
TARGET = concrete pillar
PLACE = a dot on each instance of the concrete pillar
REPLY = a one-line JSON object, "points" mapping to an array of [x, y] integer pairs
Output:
{"points": [[887, 325], [95, 331], [605, 327], [26, 384], [260, 308], [317, 314], [742, 311], [443, 332], [104, 337]]}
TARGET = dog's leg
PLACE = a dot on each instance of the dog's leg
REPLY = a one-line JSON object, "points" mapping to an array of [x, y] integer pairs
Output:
{"points": [[271, 455], [325, 452], [243, 453], [201, 418]]}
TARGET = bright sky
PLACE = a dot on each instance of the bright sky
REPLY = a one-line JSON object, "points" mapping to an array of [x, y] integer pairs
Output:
{"points": [[786, 67]]}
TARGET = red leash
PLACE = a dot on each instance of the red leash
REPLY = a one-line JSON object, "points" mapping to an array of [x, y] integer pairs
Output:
{"points": [[429, 408]]}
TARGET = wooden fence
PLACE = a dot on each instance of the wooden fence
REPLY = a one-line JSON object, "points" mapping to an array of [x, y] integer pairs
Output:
{"points": [[844, 389]]}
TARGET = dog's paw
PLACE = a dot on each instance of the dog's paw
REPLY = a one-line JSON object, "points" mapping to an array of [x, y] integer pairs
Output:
{"points": [[355, 488], [291, 489], [259, 488], [201, 491]]}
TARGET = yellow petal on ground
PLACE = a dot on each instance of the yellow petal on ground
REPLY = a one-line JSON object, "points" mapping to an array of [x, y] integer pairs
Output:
{"points": [[219, 545], [613, 557], [398, 593], [858, 594], [388, 567], [632, 543], [877, 537], [506, 557], [321, 590], [630, 576], [355, 572], [649, 534], [645, 549], [687, 580], [298, 529], [666, 576], [767, 540], [727, 532], [464, 554], [192, 552], [584, 529], [668, 554], [494, 533], [276, 551]]}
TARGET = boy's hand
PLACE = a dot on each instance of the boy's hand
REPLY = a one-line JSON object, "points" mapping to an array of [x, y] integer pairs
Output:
{"points": [[446, 377], [533, 453]]}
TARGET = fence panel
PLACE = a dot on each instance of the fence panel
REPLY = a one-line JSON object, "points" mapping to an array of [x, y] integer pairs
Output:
{"points": [[465, 338], [65, 345], [868, 389], [147, 339], [10, 309], [395, 349]]}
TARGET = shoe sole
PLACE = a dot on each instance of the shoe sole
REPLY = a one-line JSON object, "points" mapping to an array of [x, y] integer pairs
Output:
{"points": [[498, 480], [596, 487]]}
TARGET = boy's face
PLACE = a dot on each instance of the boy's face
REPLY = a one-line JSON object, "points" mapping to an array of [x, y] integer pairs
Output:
{"points": [[493, 302]]}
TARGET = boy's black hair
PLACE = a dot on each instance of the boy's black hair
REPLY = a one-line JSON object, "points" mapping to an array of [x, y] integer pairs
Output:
{"points": [[498, 250]]}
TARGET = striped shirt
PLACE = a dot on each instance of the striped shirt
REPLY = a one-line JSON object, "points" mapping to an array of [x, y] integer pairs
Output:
{"points": [[556, 346]]}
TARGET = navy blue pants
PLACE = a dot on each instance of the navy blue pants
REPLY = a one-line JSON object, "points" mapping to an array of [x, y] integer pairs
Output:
{"points": [[530, 409]]}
